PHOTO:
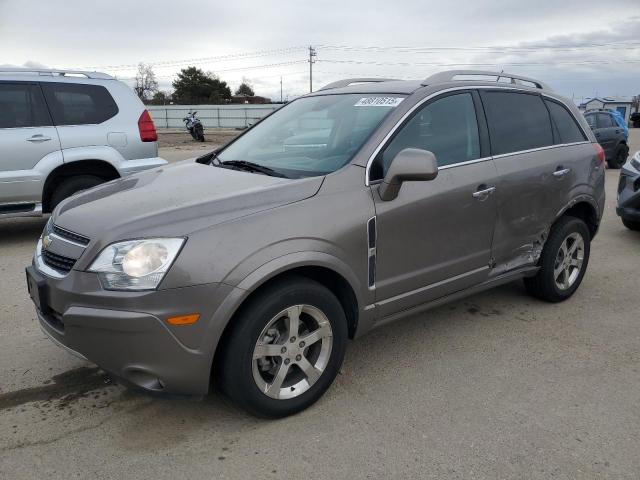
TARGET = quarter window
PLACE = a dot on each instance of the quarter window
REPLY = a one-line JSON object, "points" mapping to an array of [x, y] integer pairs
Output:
{"points": [[567, 130], [517, 121], [447, 127], [605, 121], [21, 105], [78, 104]]}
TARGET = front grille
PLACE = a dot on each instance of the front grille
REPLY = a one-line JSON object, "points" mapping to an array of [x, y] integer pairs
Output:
{"points": [[66, 234], [58, 262]]}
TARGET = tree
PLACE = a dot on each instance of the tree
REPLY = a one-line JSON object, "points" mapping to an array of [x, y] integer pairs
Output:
{"points": [[245, 90], [160, 98], [195, 86], [146, 83]]}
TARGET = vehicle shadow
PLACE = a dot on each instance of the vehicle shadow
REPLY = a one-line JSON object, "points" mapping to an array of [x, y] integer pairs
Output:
{"points": [[16, 231]]}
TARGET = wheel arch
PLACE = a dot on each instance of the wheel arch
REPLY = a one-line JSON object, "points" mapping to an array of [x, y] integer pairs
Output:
{"points": [[98, 168], [586, 209], [323, 268]]}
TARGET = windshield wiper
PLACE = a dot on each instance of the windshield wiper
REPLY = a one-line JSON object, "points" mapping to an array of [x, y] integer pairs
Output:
{"points": [[251, 167]]}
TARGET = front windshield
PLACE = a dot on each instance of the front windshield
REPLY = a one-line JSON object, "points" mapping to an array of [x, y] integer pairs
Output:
{"points": [[312, 135]]}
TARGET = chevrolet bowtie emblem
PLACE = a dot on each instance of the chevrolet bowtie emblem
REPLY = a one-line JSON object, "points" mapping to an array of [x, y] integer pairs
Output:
{"points": [[46, 241]]}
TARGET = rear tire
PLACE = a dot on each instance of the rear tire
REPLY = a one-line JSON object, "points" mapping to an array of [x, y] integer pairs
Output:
{"points": [[631, 225], [563, 262], [622, 153], [72, 185], [262, 346]]}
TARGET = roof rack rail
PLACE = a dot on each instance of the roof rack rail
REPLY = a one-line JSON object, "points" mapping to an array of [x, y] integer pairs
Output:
{"points": [[450, 76], [350, 81], [55, 72]]}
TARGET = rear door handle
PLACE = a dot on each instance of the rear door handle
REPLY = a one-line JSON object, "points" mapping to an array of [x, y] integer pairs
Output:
{"points": [[38, 138], [483, 192], [561, 172]]}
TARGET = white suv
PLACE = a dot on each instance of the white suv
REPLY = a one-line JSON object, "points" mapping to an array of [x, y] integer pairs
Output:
{"points": [[62, 132]]}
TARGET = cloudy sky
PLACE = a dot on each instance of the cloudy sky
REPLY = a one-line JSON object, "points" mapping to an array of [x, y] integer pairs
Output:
{"points": [[582, 48]]}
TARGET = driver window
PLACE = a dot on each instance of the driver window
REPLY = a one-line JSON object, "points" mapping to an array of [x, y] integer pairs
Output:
{"points": [[447, 127]]}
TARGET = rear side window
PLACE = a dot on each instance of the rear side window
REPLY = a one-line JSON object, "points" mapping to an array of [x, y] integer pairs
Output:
{"points": [[591, 120], [605, 121], [517, 121], [21, 105], [78, 104], [567, 129], [447, 127]]}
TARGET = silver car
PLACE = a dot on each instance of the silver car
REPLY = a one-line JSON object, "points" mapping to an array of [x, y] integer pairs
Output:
{"points": [[64, 131], [251, 267]]}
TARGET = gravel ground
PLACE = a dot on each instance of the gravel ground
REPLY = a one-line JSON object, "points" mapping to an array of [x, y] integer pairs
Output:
{"points": [[495, 386], [180, 139]]}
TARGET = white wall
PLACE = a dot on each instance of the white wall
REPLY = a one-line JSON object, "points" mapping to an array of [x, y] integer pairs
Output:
{"points": [[211, 116], [597, 104]]}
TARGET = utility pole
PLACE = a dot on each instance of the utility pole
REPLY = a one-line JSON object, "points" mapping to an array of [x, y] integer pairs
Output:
{"points": [[280, 89], [312, 55]]}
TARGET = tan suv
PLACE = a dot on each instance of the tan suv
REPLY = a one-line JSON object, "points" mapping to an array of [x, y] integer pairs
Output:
{"points": [[349, 208]]}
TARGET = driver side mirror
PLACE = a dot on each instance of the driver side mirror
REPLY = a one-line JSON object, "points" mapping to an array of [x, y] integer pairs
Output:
{"points": [[409, 165]]}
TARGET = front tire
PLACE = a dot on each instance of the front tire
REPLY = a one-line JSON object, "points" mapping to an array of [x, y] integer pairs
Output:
{"points": [[285, 348], [563, 262], [71, 186]]}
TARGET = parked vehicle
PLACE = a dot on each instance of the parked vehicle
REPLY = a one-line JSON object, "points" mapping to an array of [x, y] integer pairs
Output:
{"points": [[194, 126], [62, 132], [629, 193], [250, 268], [611, 136]]}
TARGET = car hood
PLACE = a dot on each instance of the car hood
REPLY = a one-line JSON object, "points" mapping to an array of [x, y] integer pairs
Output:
{"points": [[176, 200]]}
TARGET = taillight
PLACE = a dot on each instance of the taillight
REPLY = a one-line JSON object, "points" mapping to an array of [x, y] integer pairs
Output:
{"points": [[599, 152], [147, 128]]}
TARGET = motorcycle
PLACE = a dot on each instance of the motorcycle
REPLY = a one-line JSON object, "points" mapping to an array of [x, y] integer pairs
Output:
{"points": [[194, 126]]}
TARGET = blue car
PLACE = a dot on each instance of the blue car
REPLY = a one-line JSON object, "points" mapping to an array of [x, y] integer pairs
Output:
{"points": [[612, 134]]}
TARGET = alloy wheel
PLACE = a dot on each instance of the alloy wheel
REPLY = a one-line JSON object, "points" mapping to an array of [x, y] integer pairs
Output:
{"points": [[569, 260], [292, 352]]}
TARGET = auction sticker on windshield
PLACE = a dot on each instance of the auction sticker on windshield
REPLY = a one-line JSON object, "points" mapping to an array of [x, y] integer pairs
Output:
{"points": [[379, 102]]}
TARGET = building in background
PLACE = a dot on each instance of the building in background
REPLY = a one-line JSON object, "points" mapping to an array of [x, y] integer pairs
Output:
{"points": [[622, 105]]}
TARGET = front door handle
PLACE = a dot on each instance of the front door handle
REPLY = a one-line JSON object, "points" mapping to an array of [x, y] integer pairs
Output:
{"points": [[483, 192], [38, 139], [561, 172]]}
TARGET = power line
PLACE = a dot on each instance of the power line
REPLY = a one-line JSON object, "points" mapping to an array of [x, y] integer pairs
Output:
{"points": [[219, 58], [485, 64], [628, 44], [269, 65]]}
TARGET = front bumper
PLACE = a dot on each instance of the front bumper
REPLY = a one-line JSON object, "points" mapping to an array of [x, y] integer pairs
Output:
{"points": [[126, 333], [629, 192]]}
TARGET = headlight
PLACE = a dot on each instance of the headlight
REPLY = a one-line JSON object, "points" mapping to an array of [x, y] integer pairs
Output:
{"points": [[136, 264], [635, 161]]}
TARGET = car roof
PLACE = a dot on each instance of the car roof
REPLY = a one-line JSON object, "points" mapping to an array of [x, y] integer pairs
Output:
{"points": [[404, 87], [51, 75], [445, 79]]}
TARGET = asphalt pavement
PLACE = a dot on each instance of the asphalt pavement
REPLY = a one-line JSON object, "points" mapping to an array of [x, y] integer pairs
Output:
{"points": [[495, 386]]}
